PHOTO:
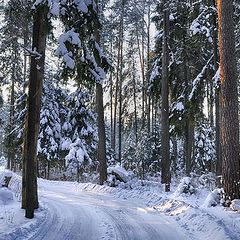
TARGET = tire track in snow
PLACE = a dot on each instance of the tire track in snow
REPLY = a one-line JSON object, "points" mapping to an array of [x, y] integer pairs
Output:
{"points": [[87, 216]]}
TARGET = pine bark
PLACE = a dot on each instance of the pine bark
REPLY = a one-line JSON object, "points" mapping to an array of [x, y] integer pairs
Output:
{"points": [[101, 135], [217, 101], [229, 101], [120, 87], [166, 177], [135, 105], [189, 144], [11, 162], [30, 196], [100, 118], [148, 70]]}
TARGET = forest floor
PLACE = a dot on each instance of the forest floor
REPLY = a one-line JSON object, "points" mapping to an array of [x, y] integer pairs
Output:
{"points": [[86, 211]]}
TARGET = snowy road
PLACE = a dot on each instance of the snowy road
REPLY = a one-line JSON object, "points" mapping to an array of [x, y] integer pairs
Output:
{"points": [[87, 216]]}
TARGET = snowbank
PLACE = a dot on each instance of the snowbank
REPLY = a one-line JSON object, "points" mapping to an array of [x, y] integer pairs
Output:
{"points": [[194, 218], [13, 224], [6, 196], [189, 209], [15, 184]]}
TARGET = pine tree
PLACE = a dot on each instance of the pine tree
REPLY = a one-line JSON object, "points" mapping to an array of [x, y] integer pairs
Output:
{"points": [[165, 163], [85, 60], [50, 128], [229, 101], [29, 185], [79, 134]]}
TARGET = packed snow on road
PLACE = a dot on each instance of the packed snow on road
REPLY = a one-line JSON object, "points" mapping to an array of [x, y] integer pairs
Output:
{"points": [[70, 210]]}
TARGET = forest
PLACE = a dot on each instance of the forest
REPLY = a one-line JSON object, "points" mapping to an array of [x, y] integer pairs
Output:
{"points": [[146, 86]]}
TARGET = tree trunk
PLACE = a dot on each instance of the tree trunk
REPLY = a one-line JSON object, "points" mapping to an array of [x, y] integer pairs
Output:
{"points": [[111, 105], [229, 101], [100, 118], [166, 177], [148, 70], [101, 135], [175, 154], [189, 144], [135, 104], [141, 56], [120, 89], [30, 197], [11, 162], [116, 96], [217, 103]]}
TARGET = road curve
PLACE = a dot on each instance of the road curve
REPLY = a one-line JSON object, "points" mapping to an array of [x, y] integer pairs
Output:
{"points": [[74, 215]]}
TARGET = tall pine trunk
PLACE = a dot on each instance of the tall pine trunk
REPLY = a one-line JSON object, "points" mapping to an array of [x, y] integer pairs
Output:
{"points": [[148, 71], [30, 196], [101, 135], [11, 161], [217, 102], [120, 86], [113, 144], [166, 177], [229, 101], [100, 113]]}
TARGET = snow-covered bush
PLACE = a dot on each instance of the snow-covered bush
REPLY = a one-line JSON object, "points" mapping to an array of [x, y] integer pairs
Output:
{"points": [[235, 205], [207, 180], [205, 152], [213, 198], [186, 186]]}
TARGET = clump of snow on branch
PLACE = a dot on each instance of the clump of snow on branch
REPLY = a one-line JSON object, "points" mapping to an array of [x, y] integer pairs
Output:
{"points": [[216, 78], [199, 77], [72, 37], [202, 25]]}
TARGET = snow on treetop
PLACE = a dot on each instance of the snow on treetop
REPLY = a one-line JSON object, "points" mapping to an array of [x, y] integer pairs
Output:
{"points": [[56, 5]]}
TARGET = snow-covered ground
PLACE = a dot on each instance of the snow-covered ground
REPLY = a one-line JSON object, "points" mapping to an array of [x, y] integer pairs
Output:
{"points": [[88, 211]]}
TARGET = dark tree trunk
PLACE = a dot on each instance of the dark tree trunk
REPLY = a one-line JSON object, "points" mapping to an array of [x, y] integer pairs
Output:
{"points": [[166, 177], [217, 103], [30, 197], [48, 169], [120, 108], [141, 59], [11, 160], [111, 105], [100, 118], [101, 135], [229, 101], [189, 144], [175, 154], [148, 71], [120, 88], [116, 95], [135, 104], [189, 123]]}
